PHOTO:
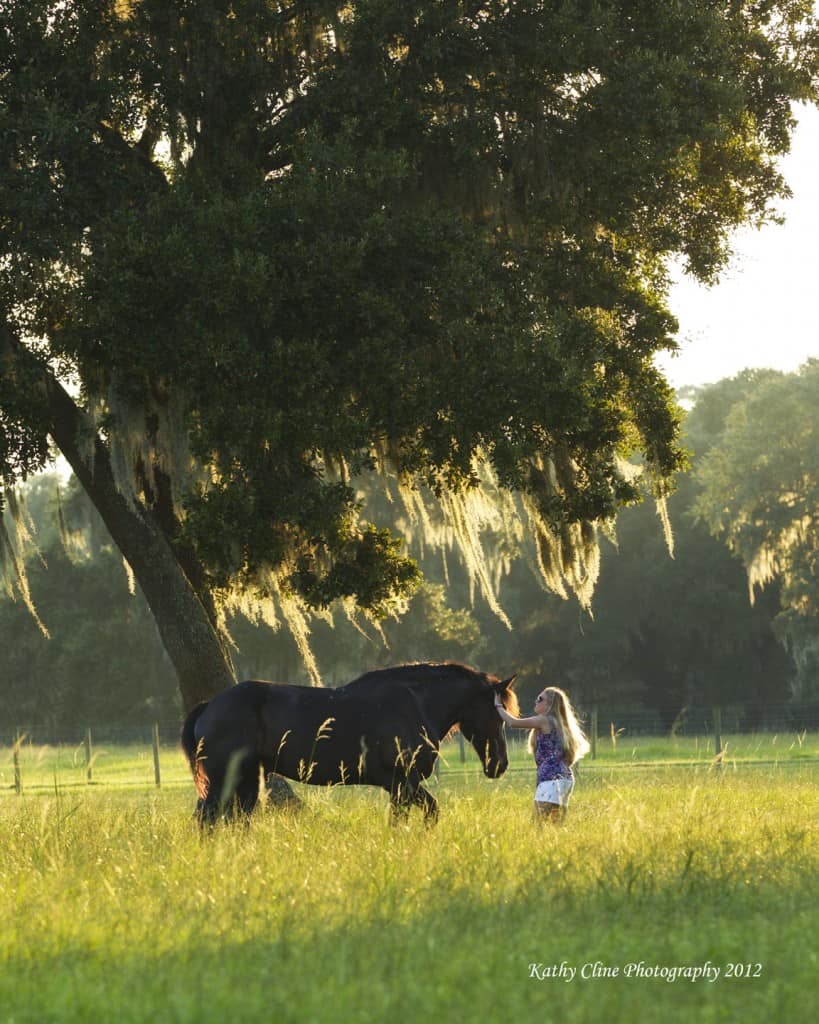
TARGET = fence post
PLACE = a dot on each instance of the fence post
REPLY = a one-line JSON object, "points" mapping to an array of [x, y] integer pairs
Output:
{"points": [[157, 777], [593, 737], [461, 746], [18, 778], [89, 767], [717, 731]]}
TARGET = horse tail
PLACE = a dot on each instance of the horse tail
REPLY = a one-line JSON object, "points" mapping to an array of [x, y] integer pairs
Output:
{"points": [[188, 740]]}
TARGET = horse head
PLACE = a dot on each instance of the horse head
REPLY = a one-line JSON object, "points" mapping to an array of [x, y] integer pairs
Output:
{"points": [[482, 725]]}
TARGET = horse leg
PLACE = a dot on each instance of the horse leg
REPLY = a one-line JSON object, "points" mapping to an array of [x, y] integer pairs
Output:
{"points": [[424, 799], [208, 809], [225, 776], [247, 791], [401, 798], [408, 792]]}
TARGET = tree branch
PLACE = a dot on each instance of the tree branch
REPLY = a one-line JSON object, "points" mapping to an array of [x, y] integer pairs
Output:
{"points": [[136, 158]]}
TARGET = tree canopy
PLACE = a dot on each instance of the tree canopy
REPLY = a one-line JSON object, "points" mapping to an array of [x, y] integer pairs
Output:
{"points": [[252, 250], [760, 494]]}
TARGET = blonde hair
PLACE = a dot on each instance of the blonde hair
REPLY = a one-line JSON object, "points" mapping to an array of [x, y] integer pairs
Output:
{"points": [[572, 738]]}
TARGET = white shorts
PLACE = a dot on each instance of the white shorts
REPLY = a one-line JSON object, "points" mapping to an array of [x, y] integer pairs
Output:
{"points": [[555, 791]]}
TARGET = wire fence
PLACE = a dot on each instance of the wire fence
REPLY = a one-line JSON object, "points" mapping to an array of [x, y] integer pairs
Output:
{"points": [[600, 719], [672, 720], [619, 736]]}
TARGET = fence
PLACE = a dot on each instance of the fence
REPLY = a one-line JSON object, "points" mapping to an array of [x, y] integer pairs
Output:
{"points": [[671, 720], [599, 718], [88, 746], [605, 726]]}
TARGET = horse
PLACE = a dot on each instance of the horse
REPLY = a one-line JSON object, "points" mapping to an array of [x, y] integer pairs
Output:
{"points": [[382, 729]]}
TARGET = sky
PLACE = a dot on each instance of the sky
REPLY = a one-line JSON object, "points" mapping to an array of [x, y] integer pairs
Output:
{"points": [[763, 311]]}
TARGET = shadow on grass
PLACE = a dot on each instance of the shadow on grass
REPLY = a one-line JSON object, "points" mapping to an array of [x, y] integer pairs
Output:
{"points": [[470, 959]]}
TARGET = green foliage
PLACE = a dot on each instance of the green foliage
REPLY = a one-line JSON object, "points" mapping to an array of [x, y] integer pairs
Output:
{"points": [[669, 633], [665, 633], [102, 662], [434, 631], [680, 631], [274, 247], [760, 494]]}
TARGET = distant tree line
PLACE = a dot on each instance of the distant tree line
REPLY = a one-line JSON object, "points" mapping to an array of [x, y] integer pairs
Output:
{"points": [[664, 633]]}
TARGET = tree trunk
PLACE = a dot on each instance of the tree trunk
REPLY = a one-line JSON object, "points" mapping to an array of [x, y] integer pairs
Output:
{"points": [[196, 649]]}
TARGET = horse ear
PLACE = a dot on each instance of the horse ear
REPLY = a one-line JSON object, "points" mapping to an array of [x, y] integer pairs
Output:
{"points": [[506, 684]]}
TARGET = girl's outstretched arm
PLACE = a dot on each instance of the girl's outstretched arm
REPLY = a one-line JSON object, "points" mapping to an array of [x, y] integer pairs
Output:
{"points": [[541, 722]]}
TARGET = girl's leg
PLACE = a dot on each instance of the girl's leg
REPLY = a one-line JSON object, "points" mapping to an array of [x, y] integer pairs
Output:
{"points": [[544, 812], [548, 812], [551, 800]]}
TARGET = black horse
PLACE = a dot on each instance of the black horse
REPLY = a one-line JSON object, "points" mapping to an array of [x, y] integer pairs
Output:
{"points": [[383, 729]]}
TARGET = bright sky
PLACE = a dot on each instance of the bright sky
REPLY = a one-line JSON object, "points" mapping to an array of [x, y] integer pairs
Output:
{"points": [[764, 310]]}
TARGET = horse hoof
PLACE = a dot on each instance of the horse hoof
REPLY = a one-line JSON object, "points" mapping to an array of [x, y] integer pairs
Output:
{"points": [[279, 793]]}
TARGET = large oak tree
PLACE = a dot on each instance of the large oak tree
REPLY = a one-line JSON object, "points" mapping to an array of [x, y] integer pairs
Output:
{"points": [[253, 249]]}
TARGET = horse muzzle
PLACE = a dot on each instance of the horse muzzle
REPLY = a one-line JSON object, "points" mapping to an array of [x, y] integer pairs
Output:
{"points": [[495, 767]]}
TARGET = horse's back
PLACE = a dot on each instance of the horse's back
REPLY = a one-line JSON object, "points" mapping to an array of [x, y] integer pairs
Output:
{"points": [[231, 718], [313, 734], [251, 699]]}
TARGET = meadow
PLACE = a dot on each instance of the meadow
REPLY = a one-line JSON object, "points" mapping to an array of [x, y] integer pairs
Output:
{"points": [[114, 907]]}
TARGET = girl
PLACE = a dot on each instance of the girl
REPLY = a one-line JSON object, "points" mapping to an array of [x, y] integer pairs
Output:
{"points": [[557, 741]]}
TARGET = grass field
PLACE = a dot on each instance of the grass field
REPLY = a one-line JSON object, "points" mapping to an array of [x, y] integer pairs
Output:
{"points": [[114, 909]]}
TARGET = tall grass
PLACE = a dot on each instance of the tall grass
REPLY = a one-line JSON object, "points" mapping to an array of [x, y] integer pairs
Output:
{"points": [[114, 907]]}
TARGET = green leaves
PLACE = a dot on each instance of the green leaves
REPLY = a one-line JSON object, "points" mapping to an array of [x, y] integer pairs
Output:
{"points": [[369, 565], [760, 494], [275, 245]]}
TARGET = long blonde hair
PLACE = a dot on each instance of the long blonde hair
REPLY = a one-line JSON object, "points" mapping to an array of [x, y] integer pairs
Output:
{"points": [[573, 739]]}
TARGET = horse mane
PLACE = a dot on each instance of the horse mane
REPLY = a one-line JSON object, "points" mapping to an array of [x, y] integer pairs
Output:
{"points": [[440, 670], [508, 697], [428, 669], [510, 702]]}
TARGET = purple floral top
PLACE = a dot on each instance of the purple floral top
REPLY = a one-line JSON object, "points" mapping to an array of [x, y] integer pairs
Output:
{"points": [[549, 757]]}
